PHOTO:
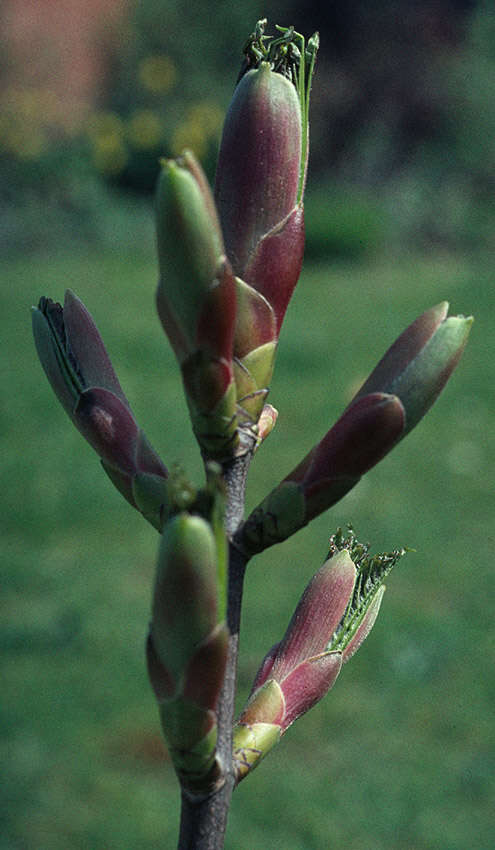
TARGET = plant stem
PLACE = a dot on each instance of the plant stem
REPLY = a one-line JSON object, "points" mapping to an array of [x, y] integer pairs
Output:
{"points": [[204, 819]]}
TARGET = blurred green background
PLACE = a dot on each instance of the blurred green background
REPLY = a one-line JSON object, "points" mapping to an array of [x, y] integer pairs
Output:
{"points": [[401, 214]]}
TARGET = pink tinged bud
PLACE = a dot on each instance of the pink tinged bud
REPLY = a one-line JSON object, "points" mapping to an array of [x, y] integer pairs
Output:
{"points": [[281, 702], [419, 363], [266, 423], [333, 618], [308, 684], [317, 615], [251, 742], [301, 664], [265, 705], [263, 673], [77, 365]]}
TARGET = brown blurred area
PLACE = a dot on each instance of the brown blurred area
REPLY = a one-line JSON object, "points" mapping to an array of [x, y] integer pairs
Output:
{"points": [[61, 46]]}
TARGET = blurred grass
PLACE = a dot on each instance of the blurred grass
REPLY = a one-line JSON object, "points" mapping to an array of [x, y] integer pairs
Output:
{"points": [[401, 753]]}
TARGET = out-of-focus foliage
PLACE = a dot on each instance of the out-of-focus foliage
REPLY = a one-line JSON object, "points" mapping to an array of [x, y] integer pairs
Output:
{"points": [[402, 124], [401, 753]]}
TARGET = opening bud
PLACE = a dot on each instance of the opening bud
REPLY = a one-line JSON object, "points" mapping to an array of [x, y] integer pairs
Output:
{"points": [[333, 617], [259, 191]]}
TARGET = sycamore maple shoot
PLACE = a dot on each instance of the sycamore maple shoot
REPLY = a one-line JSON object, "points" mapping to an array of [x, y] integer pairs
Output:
{"points": [[229, 258]]}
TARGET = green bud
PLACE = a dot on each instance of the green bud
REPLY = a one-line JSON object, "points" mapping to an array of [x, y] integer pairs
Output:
{"points": [[190, 247], [196, 301], [185, 596]]}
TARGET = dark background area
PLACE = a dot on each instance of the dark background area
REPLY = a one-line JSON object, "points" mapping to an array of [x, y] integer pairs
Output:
{"points": [[402, 115]]}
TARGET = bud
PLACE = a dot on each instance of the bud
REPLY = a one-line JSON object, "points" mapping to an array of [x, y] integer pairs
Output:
{"points": [[420, 362], [196, 300], [259, 193], [366, 431], [315, 619], [331, 621], [187, 645], [390, 403], [77, 366], [299, 671], [266, 423]]}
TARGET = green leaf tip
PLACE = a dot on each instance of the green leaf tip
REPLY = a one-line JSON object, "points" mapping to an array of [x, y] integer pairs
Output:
{"points": [[291, 56], [364, 603]]}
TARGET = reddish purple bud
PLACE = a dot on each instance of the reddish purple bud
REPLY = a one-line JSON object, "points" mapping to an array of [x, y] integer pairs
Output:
{"points": [[259, 193], [109, 427], [86, 345], [390, 403], [77, 365], [258, 182], [363, 435], [308, 684], [317, 615]]}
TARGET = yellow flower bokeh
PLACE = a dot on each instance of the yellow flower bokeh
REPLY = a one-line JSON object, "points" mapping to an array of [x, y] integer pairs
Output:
{"points": [[200, 128], [157, 74], [30, 118], [144, 129], [106, 134]]}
